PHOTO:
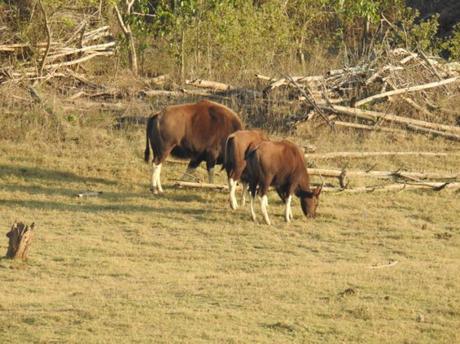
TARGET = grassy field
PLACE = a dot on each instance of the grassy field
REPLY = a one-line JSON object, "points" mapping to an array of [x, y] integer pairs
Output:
{"points": [[182, 267]]}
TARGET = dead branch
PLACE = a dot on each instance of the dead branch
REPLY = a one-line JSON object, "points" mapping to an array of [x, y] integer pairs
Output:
{"points": [[368, 127], [72, 51], [389, 265], [208, 84], [126, 28], [48, 37], [406, 90], [396, 187], [374, 115], [334, 173], [310, 99], [388, 187], [352, 155], [434, 132], [182, 184]]}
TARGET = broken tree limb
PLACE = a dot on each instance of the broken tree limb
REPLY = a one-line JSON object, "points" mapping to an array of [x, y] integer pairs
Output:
{"points": [[334, 173], [368, 127], [389, 187], [374, 115], [286, 81], [396, 187], [406, 90], [311, 100], [181, 184], [20, 238], [389, 265], [417, 107], [126, 28], [71, 51], [48, 39], [434, 132], [334, 155], [219, 86]]}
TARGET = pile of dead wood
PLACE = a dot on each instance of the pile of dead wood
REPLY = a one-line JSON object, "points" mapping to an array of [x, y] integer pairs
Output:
{"points": [[55, 56], [363, 97]]}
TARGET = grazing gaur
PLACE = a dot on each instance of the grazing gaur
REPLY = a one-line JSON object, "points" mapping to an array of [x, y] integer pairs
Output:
{"points": [[197, 131], [234, 163], [280, 164]]}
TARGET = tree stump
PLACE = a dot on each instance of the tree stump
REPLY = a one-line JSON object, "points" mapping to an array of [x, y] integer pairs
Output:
{"points": [[20, 237]]}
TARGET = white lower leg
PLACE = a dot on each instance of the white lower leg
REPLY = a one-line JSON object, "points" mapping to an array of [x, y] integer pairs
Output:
{"points": [[154, 181], [243, 197], [263, 206], [253, 213], [156, 185], [232, 188], [160, 189], [288, 211]]}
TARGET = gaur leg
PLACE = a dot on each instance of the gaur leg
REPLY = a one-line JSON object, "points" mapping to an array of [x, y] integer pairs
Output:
{"points": [[263, 189], [285, 194], [211, 160], [288, 212], [252, 191], [191, 168], [243, 196], [232, 188], [156, 171], [233, 177]]}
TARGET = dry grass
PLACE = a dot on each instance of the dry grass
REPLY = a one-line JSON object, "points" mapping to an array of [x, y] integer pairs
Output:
{"points": [[128, 266]]}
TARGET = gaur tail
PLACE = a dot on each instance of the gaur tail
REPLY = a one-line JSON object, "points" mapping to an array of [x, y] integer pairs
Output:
{"points": [[229, 155], [147, 139], [250, 151]]}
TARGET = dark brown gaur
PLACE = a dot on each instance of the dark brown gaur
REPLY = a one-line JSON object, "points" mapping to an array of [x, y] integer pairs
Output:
{"points": [[281, 165], [197, 131], [234, 163]]}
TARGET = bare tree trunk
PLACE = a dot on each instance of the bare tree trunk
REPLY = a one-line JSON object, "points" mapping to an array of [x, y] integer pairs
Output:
{"points": [[48, 38], [133, 64]]}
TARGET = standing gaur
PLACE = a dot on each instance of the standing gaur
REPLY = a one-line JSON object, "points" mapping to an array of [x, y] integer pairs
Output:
{"points": [[197, 131], [281, 165], [236, 147]]}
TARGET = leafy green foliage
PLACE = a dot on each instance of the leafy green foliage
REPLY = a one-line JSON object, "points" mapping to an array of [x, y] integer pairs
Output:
{"points": [[453, 44]]}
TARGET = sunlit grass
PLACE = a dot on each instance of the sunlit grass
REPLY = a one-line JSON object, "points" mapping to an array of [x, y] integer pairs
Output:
{"points": [[182, 267]]}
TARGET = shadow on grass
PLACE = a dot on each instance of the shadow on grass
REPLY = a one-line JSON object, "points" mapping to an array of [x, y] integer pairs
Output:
{"points": [[170, 212], [51, 175]]}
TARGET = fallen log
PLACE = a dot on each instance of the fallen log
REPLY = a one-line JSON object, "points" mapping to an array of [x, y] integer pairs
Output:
{"points": [[334, 173], [70, 51], [283, 81], [374, 115], [368, 127], [209, 84], [433, 132], [334, 155], [389, 265], [406, 90], [396, 187], [181, 184], [388, 187]]}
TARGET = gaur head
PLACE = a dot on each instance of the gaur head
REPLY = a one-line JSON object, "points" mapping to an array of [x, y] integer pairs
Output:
{"points": [[309, 201]]}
